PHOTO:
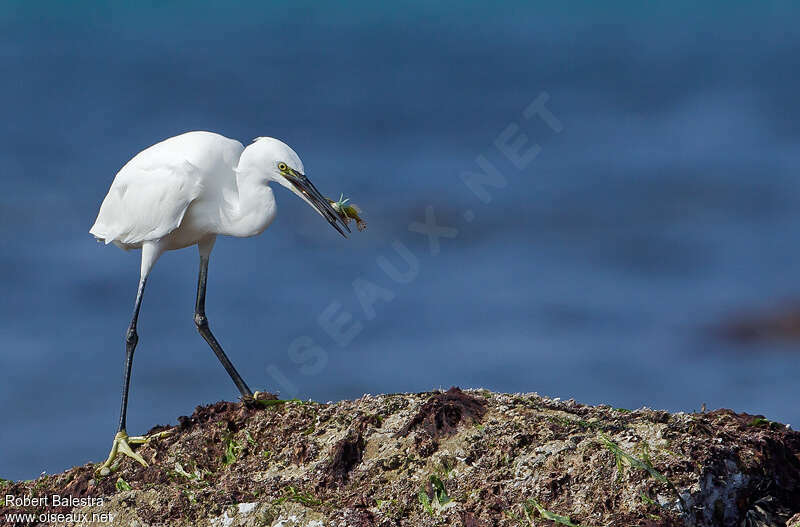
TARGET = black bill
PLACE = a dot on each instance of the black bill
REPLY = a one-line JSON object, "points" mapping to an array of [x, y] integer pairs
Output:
{"points": [[318, 201]]}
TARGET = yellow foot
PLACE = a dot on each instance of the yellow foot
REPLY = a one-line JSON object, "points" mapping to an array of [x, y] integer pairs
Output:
{"points": [[122, 445], [258, 397]]}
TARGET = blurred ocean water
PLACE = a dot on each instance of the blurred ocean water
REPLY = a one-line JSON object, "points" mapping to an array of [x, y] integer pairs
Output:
{"points": [[668, 201]]}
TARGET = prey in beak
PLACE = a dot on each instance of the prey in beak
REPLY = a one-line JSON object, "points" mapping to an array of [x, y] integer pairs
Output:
{"points": [[303, 187]]}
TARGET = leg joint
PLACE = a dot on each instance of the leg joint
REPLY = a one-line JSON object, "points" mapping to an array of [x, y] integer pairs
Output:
{"points": [[131, 337], [200, 320]]}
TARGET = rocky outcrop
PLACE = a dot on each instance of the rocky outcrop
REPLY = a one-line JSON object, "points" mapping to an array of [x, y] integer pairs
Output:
{"points": [[464, 458]]}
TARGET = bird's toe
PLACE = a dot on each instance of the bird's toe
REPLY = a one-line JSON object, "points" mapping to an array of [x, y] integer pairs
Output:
{"points": [[122, 445]]}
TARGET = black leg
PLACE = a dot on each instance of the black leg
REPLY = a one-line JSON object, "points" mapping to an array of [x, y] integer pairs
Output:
{"points": [[131, 338], [202, 326]]}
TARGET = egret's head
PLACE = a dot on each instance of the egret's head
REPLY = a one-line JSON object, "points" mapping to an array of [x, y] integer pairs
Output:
{"points": [[278, 162]]}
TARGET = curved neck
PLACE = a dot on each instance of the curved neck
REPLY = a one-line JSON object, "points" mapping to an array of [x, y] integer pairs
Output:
{"points": [[252, 208]]}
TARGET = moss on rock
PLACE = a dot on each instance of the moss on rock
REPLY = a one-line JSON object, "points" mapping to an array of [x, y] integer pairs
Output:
{"points": [[465, 458]]}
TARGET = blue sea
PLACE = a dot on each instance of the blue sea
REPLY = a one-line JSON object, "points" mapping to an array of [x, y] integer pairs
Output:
{"points": [[567, 200]]}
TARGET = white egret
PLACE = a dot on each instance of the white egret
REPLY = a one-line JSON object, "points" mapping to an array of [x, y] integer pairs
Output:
{"points": [[185, 191]]}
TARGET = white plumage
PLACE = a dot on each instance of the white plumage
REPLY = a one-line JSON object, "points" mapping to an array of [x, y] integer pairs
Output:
{"points": [[152, 193], [185, 191]]}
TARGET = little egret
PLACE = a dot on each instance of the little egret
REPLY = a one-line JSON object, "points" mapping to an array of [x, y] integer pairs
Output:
{"points": [[185, 191]]}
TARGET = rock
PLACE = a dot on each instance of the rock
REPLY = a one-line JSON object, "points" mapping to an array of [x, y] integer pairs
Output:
{"points": [[781, 323], [465, 458]]}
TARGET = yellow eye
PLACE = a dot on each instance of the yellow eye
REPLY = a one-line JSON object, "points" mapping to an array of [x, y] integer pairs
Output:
{"points": [[282, 167]]}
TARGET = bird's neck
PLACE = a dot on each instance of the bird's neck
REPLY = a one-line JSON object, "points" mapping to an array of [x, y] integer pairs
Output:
{"points": [[253, 209]]}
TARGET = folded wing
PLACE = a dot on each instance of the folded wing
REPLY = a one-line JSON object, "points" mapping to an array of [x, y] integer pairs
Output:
{"points": [[146, 202]]}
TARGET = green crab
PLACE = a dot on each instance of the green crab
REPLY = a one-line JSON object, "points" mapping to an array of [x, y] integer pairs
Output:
{"points": [[347, 211]]}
